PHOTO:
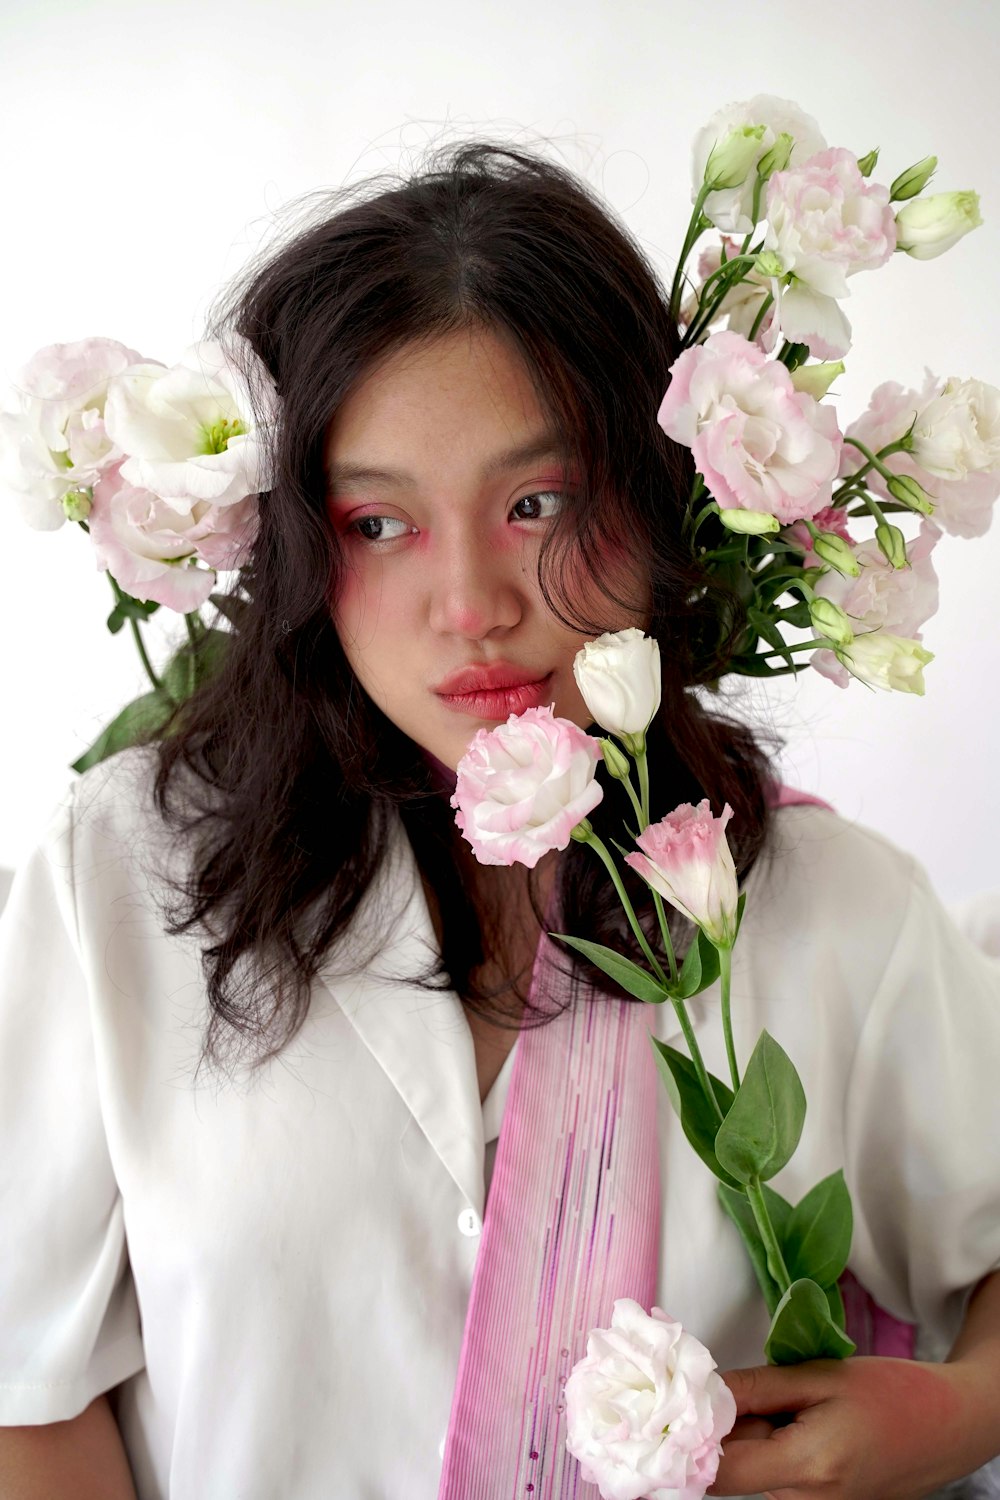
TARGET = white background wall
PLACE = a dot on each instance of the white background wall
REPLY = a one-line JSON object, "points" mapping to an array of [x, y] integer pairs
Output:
{"points": [[147, 147]]}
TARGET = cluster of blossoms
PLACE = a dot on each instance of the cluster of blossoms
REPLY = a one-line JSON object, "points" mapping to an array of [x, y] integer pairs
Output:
{"points": [[772, 462], [162, 466]]}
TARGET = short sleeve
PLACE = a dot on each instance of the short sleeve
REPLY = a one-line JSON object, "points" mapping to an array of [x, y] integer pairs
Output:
{"points": [[69, 1320], [923, 1124]]}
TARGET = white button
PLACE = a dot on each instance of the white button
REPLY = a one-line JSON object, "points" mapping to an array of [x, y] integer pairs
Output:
{"points": [[469, 1222]]}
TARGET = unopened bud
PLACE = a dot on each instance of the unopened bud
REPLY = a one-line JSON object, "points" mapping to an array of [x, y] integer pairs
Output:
{"points": [[749, 522], [913, 181], [866, 164], [615, 760], [832, 548], [732, 157], [907, 491], [776, 160], [77, 504], [816, 380], [892, 544], [582, 831], [831, 620]]}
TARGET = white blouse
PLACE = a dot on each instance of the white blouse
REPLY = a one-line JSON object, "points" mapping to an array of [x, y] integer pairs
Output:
{"points": [[274, 1270]]}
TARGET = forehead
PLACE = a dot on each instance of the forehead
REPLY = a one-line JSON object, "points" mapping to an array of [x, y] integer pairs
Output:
{"points": [[455, 391]]}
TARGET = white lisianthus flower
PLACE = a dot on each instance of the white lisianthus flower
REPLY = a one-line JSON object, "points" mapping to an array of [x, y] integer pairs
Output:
{"points": [[887, 661], [958, 432], [729, 209], [927, 227], [646, 1409], [618, 675], [191, 432], [55, 444], [825, 221]]}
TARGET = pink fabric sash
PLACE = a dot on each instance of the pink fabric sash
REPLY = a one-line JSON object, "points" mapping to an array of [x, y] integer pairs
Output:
{"points": [[572, 1223]]}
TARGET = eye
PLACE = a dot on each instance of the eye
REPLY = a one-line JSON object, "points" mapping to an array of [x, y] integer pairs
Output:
{"points": [[539, 496], [377, 536]]}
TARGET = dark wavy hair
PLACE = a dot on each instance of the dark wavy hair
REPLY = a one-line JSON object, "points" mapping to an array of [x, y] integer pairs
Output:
{"points": [[281, 775]]}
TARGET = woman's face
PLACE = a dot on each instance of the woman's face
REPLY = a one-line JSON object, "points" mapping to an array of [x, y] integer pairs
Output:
{"points": [[443, 480]]}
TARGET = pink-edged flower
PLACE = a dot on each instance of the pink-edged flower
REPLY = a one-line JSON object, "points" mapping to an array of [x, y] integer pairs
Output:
{"points": [[153, 550], [199, 430], [523, 787], [956, 446], [887, 601], [56, 443], [646, 1409], [729, 209], [687, 859], [826, 222], [759, 444]]}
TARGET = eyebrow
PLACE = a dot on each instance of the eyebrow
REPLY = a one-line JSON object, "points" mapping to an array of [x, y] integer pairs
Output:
{"points": [[547, 445]]}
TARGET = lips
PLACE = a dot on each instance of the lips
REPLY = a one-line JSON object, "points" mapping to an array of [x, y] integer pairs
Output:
{"points": [[494, 678]]}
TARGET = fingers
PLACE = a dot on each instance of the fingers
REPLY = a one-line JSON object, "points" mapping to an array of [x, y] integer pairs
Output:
{"points": [[752, 1466], [777, 1388]]}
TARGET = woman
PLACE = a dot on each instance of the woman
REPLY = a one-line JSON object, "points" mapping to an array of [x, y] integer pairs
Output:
{"points": [[252, 1278]]}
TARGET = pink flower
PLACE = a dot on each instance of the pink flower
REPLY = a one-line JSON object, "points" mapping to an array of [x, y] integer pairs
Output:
{"points": [[956, 446], [56, 443], [827, 222], [893, 601], [687, 859], [152, 548], [523, 787], [646, 1410], [760, 444]]}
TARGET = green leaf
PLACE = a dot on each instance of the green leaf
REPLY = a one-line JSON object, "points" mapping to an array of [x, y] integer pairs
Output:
{"points": [[699, 969], [762, 1130], [737, 1206], [621, 969], [797, 615], [818, 1239], [766, 628], [191, 666], [836, 1304], [802, 1328], [699, 1120], [138, 721], [115, 620]]}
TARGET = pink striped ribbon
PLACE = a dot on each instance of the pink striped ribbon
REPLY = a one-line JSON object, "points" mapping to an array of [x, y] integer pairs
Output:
{"points": [[572, 1223]]}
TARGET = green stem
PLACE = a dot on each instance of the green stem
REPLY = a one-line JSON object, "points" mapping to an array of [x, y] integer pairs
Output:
{"points": [[775, 1259], [626, 782], [643, 765], [140, 646], [680, 1010], [761, 314], [665, 933], [725, 979], [597, 844], [691, 235]]}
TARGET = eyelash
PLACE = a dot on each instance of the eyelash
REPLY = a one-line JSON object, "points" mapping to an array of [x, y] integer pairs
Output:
{"points": [[379, 542]]}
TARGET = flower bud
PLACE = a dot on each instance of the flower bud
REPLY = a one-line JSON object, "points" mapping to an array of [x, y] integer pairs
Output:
{"points": [[776, 160], [615, 760], [883, 660], [732, 157], [831, 620], [816, 380], [619, 679], [749, 522], [892, 544], [913, 181], [581, 833], [929, 226], [907, 491], [835, 551], [866, 164], [77, 504]]}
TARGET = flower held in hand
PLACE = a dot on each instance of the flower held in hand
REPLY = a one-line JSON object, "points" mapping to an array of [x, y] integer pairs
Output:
{"points": [[523, 787], [686, 858], [646, 1411]]}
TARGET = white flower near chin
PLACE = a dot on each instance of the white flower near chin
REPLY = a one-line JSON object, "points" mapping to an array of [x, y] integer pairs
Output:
{"points": [[729, 209], [56, 444], [154, 551], [191, 432], [646, 1410], [618, 675]]}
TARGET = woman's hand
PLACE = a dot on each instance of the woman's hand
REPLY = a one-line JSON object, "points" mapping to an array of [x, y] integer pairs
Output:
{"points": [[853, 1429]]}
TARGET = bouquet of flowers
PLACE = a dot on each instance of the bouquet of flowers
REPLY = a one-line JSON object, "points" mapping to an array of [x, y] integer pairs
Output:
{"points": [[162, 468]]}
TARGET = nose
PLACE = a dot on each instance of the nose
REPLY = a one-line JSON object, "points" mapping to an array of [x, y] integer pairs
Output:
{"points": [[475, 585]]}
